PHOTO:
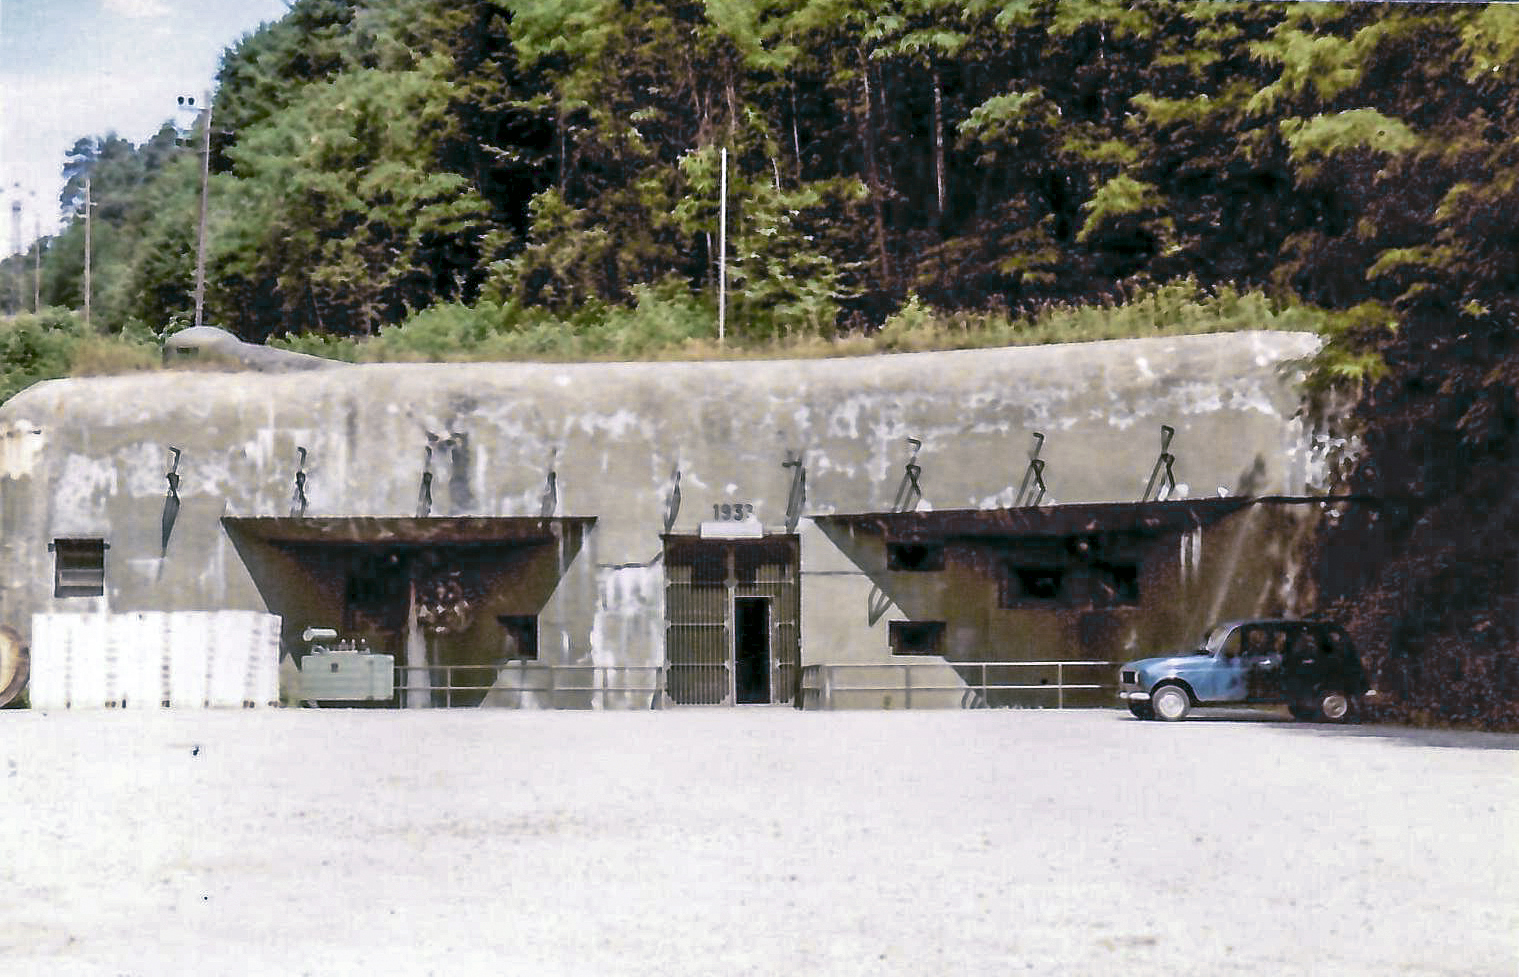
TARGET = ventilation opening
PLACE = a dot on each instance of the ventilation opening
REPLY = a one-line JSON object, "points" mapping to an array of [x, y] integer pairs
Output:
{"points": [[914, 557], [519, 637], [1115, 584], [917, 637], [1025, 584], [79, 567]]}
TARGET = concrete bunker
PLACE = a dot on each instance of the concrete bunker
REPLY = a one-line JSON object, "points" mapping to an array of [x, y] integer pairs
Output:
{"points": [[801, 544]]}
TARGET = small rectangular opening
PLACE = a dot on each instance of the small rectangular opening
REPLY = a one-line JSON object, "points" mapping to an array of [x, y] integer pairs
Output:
{"points": [[1022, 585], [1115, 584], [79, 567], [914, 557], [519, 637], [917, 637]]}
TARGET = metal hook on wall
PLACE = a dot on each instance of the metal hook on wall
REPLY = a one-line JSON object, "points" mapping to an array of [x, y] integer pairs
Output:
{"points": [[1162, 463], [171, 502], [672, 499], [424, 494], [549, 501], [909, 492], [1034, 474], [298, 499], [796, 499]]}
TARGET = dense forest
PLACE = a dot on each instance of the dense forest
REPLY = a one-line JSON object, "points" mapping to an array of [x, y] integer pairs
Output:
{"points": [[534, 169]]}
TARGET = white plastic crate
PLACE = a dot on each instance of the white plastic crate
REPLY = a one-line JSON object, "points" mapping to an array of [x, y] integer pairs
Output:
{"points": [[147, 659]]}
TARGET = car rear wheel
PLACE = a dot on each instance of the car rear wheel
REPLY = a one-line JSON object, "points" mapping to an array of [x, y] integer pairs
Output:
{"points": [[1142, 710], [1333, 707], [1171, 703]]}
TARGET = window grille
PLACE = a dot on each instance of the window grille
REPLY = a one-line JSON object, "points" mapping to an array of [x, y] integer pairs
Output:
{"points": [[703, 579]]}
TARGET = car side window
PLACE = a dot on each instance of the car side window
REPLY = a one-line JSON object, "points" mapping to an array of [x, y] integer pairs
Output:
{"points": [[1232, 645], [1257, 643]]}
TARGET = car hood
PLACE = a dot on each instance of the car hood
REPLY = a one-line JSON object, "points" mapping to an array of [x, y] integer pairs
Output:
{"points": [[1166, 661]]}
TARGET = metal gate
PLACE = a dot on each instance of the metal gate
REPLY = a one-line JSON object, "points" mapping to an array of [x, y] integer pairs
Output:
{"points": [[703, 577]]}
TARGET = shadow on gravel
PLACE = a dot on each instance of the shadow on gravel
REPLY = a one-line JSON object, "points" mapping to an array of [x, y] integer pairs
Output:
{"points": [[1455, 739]]}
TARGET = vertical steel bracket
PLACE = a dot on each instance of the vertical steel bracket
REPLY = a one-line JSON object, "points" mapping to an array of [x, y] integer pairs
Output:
{"points": [[1033, 476], [1162, 464], [796, 499], [909, 492], [298, 498]]}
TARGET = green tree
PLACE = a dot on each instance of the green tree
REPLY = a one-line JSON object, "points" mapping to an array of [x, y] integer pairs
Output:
{"points": [[337, 203]]}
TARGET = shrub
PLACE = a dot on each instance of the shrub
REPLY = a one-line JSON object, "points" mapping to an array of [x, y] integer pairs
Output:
{"points": [[35, 346]]}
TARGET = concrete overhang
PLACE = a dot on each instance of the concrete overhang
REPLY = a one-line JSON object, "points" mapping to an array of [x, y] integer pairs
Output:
{"points": [[1051, 521], [406, 531]]}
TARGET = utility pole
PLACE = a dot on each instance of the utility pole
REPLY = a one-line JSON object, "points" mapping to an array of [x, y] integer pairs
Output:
{"points": [[205, 182], [88, 207], [722, 252], [36, 256], [16, 247]]}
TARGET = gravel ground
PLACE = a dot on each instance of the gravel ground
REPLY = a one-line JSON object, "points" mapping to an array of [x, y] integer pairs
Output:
{"points": [[757, 841]]}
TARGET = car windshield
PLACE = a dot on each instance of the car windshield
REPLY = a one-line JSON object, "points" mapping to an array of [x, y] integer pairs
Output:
{"points": [[1214, 640]]}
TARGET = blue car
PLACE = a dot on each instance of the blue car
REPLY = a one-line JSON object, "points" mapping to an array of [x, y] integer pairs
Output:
{"points": [[1311, 666]]}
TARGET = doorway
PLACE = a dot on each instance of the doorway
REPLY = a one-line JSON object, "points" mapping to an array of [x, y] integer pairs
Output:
{"points": [[751, 649], [732, 620]]}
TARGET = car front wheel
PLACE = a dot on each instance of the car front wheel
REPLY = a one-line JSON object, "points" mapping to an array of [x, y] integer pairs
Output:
{"points": [[1333, 707], [1171, 703]]}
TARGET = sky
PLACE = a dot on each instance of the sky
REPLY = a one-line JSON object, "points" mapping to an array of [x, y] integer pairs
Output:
{"points": [[72, 68]]}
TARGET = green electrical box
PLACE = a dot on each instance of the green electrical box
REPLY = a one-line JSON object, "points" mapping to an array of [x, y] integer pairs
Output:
{"points": [[347, 676]]}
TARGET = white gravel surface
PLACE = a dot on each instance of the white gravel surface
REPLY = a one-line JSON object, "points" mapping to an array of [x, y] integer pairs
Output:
{"points": [[756, 841]]}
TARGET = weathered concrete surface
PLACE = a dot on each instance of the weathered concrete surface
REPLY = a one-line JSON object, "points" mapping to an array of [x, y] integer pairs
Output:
{"points": [[88, 457], [210, 345], [752, 842]]}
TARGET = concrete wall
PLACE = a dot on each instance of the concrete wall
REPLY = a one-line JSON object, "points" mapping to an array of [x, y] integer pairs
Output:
{"points": [[88, 457]]}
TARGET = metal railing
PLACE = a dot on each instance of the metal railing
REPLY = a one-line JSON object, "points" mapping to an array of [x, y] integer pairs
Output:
{"points": [[597, 688], [819, 685]]}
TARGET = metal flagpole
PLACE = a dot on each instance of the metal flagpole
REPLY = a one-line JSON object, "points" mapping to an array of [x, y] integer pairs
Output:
{"points": [[722, 253]]}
